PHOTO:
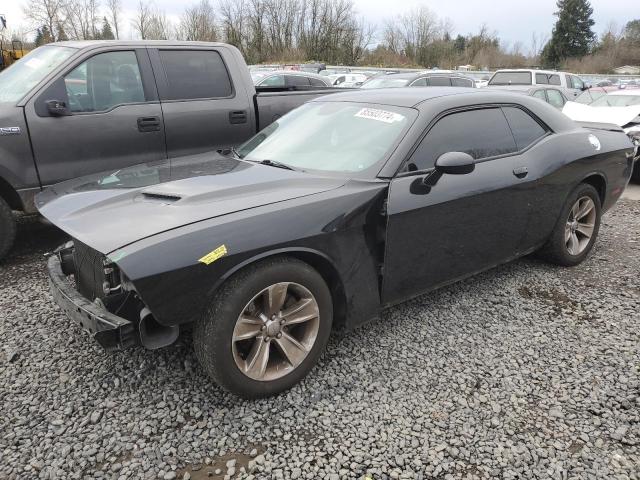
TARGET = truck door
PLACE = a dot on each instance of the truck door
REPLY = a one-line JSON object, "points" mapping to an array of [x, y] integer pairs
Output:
{"points": [[102, 114], [203, 108]]}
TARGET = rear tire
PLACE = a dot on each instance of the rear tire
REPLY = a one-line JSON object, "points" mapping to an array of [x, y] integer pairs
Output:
{"points": [[7, 228], [576, 230], [268, 303]]}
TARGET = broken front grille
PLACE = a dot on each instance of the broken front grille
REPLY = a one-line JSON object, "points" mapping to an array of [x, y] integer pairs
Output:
{"points": [[89, 271]]}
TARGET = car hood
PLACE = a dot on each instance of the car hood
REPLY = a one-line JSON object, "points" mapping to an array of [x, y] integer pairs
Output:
{"points": [[110, 210], [620, 116]]}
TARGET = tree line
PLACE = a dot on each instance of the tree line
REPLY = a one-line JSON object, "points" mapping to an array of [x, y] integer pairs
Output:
{"points": [[331, 31]]}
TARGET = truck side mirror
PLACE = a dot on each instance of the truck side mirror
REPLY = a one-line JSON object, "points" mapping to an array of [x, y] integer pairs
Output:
{"points": [[455, 163], [57, 108]]}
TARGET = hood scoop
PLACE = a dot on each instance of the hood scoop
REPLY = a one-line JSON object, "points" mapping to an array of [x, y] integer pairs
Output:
{"points": [[160, 197]]}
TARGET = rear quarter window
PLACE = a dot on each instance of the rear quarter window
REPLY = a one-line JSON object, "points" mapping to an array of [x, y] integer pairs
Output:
{"points": [[193, 74], [525, 128]]}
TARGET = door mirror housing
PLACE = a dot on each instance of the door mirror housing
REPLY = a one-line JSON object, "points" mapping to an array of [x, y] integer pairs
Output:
{"points": [[455, 163], [57, 108], [586, 86]]}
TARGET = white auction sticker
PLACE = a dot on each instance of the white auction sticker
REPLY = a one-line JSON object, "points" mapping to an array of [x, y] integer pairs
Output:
{"points": [[379, 115], [33, 63]]}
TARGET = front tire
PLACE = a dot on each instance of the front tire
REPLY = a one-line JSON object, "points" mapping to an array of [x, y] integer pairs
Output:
{"points": [[7, 228], [577, 228], [265, 328]]}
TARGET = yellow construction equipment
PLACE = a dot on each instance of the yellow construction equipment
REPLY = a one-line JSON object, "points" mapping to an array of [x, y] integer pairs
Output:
{"points": [[10, 51]]}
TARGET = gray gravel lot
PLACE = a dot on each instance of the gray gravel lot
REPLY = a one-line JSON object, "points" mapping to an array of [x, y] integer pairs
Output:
{"points": [[526, 371]]}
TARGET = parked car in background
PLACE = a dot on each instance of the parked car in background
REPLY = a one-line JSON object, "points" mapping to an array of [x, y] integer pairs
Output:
{"points": [[553, 96], [334, 71], [348, 80], [569, 83], [289, 79], [73, 108], [345, 206], [482, 82], [621, 108], [419, 79], [306, 67]]}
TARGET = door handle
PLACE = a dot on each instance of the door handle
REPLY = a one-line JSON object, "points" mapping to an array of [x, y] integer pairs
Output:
{"points": [[148, 124], [521, 172], [237, 117]]}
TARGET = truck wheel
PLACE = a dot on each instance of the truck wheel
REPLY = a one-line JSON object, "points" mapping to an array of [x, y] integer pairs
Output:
{"points": [[7, 228], [577, 228], [265, 328]]}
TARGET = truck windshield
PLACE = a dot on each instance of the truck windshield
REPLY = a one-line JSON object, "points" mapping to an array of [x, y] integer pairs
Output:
{"points": [[22, 76], [331, 136], [511, 78]]}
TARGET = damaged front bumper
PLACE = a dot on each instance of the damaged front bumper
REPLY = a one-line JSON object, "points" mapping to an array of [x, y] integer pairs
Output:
{"points": [[109, 330]]}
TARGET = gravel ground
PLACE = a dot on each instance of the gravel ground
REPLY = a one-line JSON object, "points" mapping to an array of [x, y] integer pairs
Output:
{"points": [[526, 371]]}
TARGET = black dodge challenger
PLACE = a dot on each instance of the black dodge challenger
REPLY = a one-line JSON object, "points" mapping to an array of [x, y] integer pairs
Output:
{"points": [[344, 206]]}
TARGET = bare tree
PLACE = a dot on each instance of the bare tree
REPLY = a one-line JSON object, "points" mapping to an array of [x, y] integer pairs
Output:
{"points": [[82, 19], [114, 7], [198, 22], [160, 28], [47, 13], [141, 23]]}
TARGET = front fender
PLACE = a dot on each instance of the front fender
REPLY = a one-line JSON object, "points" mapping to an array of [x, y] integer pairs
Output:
{"points": [[167, 271]]}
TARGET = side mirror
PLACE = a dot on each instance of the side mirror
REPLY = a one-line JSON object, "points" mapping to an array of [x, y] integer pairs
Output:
{"points": [[455, 163], [586, 86], [57, 108]]}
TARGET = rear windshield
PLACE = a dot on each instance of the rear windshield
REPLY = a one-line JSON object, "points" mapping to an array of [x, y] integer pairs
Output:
{"points": [[511, 78], [589, 96], [616, 101]]}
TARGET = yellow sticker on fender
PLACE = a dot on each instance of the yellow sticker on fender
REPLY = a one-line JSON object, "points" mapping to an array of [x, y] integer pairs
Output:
{"points": [[211, 257]]}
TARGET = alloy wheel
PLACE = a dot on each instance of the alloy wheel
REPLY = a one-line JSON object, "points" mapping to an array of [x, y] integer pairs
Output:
{"points": [[580, 225], [276, 331]]}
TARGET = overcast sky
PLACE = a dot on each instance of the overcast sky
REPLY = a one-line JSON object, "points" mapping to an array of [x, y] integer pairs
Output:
{"points": [[513, 20]]}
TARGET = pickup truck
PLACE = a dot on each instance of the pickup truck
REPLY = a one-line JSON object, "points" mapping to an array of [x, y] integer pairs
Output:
{"points": [[570, 84], [71, 109]]}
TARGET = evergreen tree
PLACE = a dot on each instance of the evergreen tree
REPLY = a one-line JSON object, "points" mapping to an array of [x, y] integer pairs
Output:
{"points": [[62, 35], [632, 32], [38, 41], [107, 33], [43, 36], [459, 44], [572, 35]]}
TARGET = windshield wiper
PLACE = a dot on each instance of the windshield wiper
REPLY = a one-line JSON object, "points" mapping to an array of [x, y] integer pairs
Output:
{"points": [[273, 163]]}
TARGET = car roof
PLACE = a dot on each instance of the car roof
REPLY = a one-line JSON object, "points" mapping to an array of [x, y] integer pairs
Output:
{"points": [[412, 75], [79, 44], [294, 72], [416, 97], [513, 88], [630, 92], [532, 70]]}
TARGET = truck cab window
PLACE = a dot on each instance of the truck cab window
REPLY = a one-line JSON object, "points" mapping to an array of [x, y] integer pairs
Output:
{"points": [[193, 74], [104, 81]]}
